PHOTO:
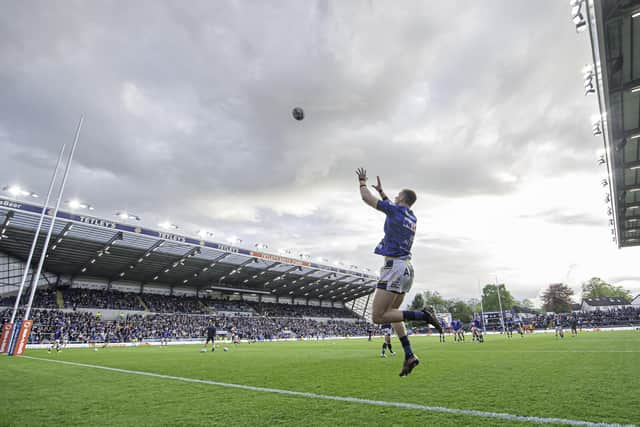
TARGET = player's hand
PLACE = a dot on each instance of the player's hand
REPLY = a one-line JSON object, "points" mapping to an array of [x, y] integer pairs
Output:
{"points": [[362, 174], [378, 187]]}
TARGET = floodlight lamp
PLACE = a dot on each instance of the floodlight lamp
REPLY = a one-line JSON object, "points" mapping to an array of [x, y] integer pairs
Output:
{"points": [[168, 225], [16, 190]]}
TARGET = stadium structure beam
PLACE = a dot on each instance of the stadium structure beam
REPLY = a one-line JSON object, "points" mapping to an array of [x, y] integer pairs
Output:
{"points": [[211, 264], [313, 279], [630, 205], [140, 260], [173, 264], [281, 276], [240, 266], [5, 224], [366, 305], [633, 218], [104, 250], [236, 269], [632, 165], [241, 290], [255, 276], [635, 187], [55, 242], [318, 281]]}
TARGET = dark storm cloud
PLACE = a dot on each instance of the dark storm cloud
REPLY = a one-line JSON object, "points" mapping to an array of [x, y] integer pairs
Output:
{"points": [[235, 70]]}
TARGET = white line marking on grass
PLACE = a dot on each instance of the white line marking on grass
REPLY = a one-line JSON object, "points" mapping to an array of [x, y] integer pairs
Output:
{"points": [[441, 409]]}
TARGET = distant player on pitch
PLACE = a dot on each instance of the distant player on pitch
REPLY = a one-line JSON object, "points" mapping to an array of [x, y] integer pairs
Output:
{"points": [[557, 322], [396, 276], [211, 336], [386, 330], [458, 332]]}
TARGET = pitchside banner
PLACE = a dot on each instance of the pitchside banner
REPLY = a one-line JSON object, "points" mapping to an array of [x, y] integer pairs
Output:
{"points": [[14, 337], [105, 223], [23, 338], [5, 338]]}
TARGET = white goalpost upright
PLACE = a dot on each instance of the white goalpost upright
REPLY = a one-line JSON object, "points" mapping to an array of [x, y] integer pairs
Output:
{"points": [[8, 327], [20, 336]]}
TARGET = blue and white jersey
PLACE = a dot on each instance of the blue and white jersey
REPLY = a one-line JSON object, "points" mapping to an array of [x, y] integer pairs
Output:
{"points": [[476, 322], [456, 325], [399, 230]]}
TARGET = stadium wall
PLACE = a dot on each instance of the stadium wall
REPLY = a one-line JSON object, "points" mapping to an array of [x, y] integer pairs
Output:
{"points": [[11, 271]]}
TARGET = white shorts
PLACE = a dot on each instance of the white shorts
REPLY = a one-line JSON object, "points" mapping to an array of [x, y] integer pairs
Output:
{"points": [[396, 276]]}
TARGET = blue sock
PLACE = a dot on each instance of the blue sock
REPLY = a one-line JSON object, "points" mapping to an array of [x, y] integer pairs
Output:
{"points": [[406, 347], [413, 315]]}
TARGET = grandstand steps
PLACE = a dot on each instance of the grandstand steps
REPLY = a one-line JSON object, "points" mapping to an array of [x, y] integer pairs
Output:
{"points": [[59, 299], [142, 303]]}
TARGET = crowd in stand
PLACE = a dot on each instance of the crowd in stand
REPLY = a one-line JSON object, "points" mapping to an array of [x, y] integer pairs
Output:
{"points": [[290, 310], [105, 299], [75, 298], [88, 327], [627, 316], [44, 298], [238, 307], [183, 317], [174, 304]]}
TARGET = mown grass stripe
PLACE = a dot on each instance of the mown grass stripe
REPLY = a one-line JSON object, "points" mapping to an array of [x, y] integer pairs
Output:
{"points": [[426, 408]]}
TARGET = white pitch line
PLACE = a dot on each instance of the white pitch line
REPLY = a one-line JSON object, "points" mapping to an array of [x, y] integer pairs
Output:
{"points": [[425, 408]]}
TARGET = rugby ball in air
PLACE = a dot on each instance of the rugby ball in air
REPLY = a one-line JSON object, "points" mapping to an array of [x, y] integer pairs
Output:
{"points": [[298, 113]]}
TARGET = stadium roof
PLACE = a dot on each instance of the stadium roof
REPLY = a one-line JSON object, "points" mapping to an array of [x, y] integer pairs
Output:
{"points": [[605, 301], [614, 29], [86, 246]]}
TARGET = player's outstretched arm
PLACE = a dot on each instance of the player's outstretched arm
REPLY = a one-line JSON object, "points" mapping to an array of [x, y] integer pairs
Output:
{"points": [[379, 189], [366, 195]]}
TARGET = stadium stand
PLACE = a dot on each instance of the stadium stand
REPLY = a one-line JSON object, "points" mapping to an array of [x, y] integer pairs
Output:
{"points": [[94, 298], [117, 256], [85, 326], [626, 316], [44, 298], [105, 280], [288, 310]]}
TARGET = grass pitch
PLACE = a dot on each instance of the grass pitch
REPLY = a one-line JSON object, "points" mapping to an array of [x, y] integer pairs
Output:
{"points": [[594, 377]]}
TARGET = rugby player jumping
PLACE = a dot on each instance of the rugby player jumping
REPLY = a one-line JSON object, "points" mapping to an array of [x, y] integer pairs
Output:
{"points": [[396, 276]]}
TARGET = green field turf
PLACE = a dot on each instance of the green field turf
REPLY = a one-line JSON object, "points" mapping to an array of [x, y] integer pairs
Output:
{"points": [[595, 377]]}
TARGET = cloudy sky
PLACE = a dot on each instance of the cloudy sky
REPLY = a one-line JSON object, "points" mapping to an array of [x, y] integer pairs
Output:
{"points": [[479, 107]]}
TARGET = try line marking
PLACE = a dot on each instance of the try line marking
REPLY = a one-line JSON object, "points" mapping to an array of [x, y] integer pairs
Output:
{"points": [[441, 409]]}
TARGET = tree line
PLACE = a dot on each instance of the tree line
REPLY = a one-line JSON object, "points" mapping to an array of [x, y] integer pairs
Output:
{"points": [[556, 298]]}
